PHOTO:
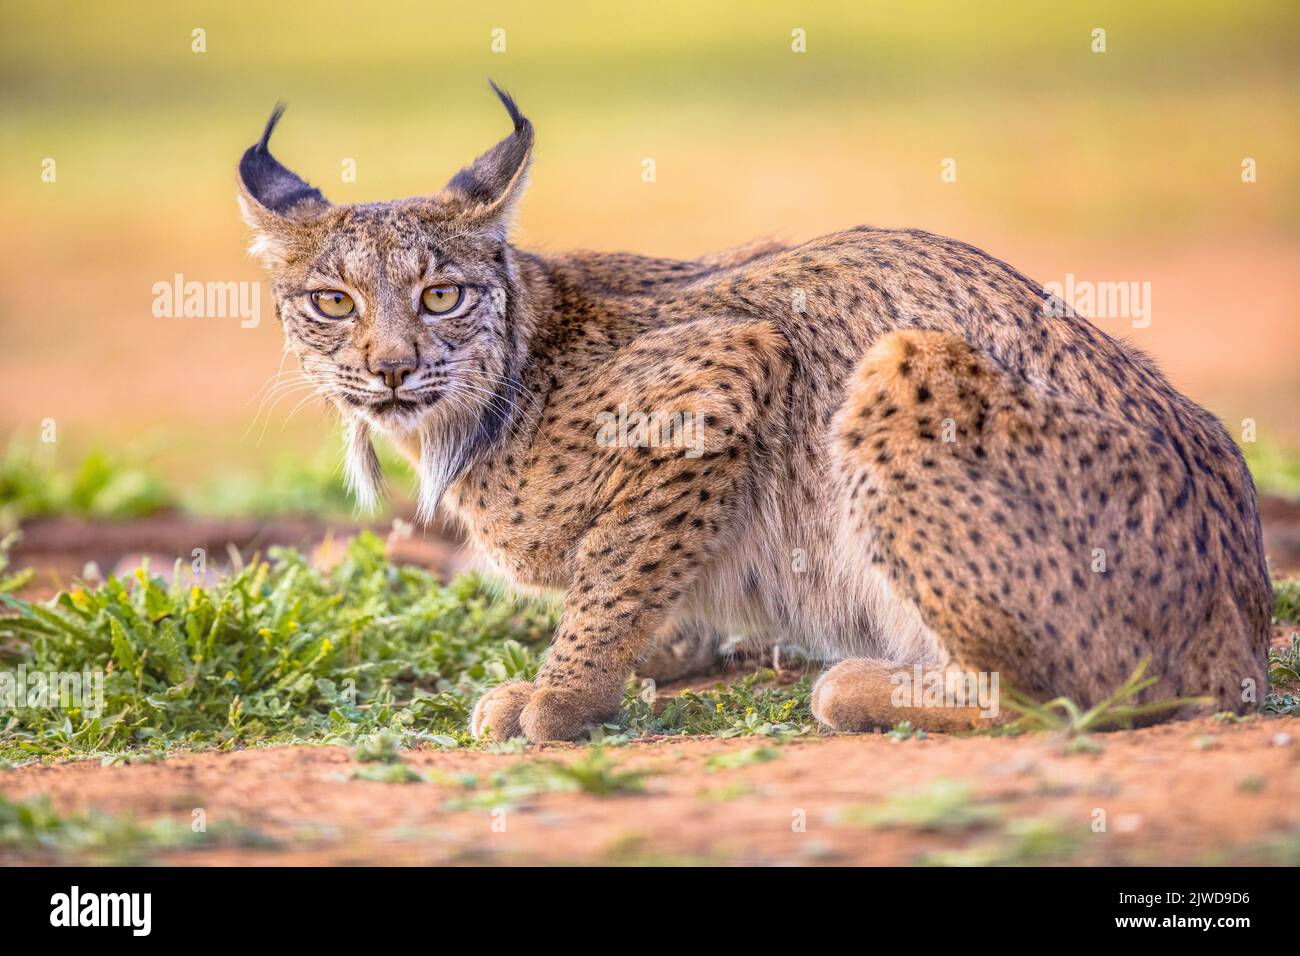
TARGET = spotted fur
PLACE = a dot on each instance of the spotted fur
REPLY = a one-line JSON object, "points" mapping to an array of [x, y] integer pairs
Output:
{"points": [[908, 453]]}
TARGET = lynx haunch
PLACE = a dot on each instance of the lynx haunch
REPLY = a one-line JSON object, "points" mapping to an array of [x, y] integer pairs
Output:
{"points": [[947, 456]]}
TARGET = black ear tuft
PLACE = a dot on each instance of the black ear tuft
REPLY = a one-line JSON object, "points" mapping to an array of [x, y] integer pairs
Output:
{"points": [[508, 101], [490, 179], [272, 185], [265, 142]]}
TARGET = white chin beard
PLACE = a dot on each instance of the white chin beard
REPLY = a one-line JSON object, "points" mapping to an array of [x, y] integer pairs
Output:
{"points": [[361, 468], [442, 449], [445, 441]]}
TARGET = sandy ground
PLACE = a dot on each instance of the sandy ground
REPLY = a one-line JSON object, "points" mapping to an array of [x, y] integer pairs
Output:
{"points": [[1199, 792]]}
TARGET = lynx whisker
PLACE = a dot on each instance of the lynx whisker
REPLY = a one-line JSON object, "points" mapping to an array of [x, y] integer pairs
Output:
{"points": [[267, 410]]}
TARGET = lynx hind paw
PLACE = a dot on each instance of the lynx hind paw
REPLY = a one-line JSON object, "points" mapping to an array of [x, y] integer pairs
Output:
{"points": [[842, 697], [858, 695], [497, 712], [685, 652]]}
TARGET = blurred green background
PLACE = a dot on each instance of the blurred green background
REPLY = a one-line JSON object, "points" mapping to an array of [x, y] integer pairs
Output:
{"points": [[1115, 166]]}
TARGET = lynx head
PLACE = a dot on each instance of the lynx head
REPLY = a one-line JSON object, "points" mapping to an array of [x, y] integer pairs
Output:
{"points": [[400, 312]]}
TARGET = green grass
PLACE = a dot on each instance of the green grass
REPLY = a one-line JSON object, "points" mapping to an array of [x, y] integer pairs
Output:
{"points": [[1275, 467], [594, 773], [740, 758], [296, 486], [1286, 600], [1282, 705], [1284, 663], [945, 806], [281, 651], [753, 706], [1284, 675], [11, 582], [384, 747], [109, 486], [369, 653], [34, 832], [101, 485], [1063, 716], [904, 730], [1030, 841], [950, 808]]}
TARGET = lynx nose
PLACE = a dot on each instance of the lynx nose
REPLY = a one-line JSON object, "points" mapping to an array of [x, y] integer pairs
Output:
{"points": [[395, 371]]}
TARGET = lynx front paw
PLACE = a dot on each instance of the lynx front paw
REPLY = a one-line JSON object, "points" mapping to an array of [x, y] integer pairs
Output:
{"points": [[554, 714], [497, 712], [518, 708]]}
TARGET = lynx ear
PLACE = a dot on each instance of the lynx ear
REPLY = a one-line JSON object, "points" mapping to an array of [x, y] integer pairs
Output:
{"points": [[273, 199], [493, 183]]}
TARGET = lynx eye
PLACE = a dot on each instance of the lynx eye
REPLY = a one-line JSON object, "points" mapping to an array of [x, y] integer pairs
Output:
{"points": [[440, 299], [333, 304]]}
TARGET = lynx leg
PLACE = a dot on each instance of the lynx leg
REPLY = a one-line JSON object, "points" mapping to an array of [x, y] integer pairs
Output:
{"points": [[1042, 540], [665, 515], [681, 650]]}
